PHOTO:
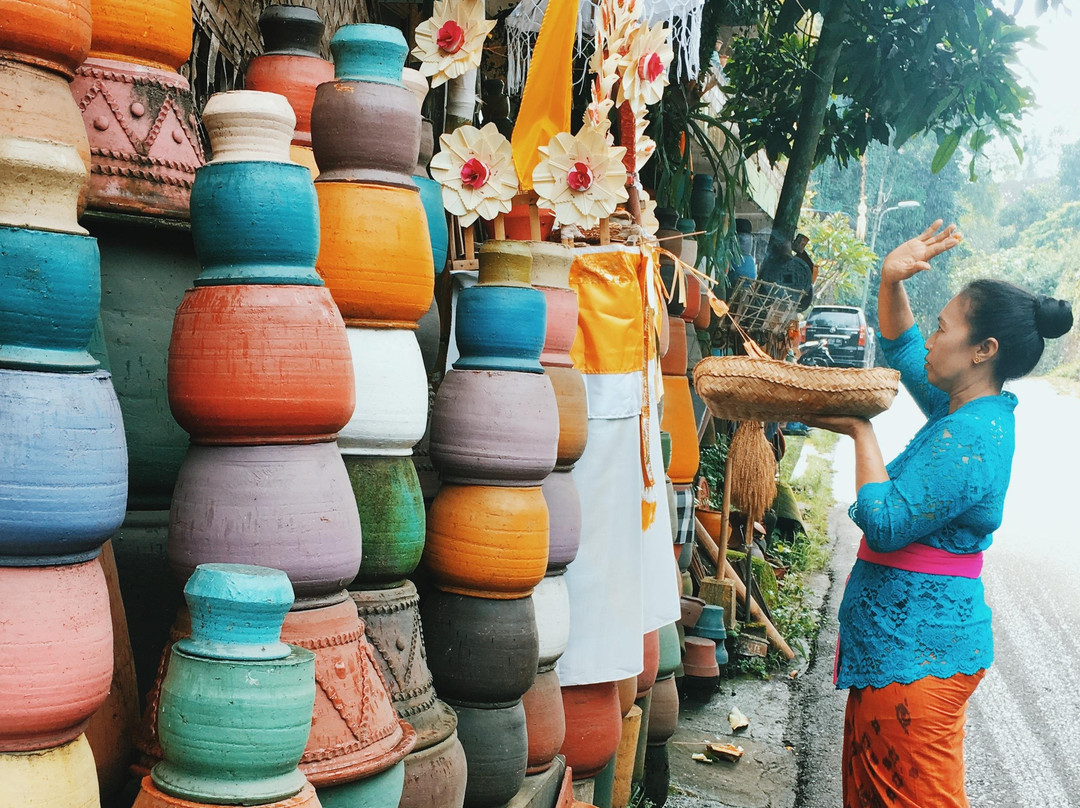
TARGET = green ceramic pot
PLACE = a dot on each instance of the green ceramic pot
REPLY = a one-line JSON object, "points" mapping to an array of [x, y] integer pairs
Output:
{"points": [[670, 651], [233, 732], [391, 506], [382, 790]]}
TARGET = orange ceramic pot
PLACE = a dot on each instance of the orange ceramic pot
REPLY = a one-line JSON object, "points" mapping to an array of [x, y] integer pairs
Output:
{"points": [[150, 796], [487, 541], [294, 76], [517, 224], [674, 361], [627, 694], [647, 677], [679, 421], [545, 721], [57, 659], [255, 364], [154, 34], [36, 103], [375, 252], [47, 33], [593, 727], [693, 298], [573, 414]]}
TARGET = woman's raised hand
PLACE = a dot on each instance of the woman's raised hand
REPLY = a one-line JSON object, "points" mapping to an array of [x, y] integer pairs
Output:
{"points": [[913, 256]]}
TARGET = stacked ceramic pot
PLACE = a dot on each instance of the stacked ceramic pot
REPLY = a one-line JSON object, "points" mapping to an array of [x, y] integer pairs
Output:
{"points": [[138, 110], [494, 440], [235, 706], [663, 717], [290, 65], [63, 457]]}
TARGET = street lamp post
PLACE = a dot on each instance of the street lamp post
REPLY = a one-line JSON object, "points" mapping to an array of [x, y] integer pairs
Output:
{"points": [[906, 204]]}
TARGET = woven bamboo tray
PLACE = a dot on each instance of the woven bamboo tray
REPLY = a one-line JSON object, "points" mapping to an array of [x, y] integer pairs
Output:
{"points": [[742, 388]]}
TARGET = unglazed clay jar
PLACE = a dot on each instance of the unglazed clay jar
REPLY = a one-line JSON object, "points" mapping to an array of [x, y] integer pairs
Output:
{"points": [[58, 654], [562, 317], [286, 507], [551, 264], [62, 775], [260, 364], [54, 34], [593, 727], [551, 602], [157, 35], [63, 466], [496, 744], [150, 796], [679, 421], [37, 104], [545, 722], [674, 361], [378, 263], [494, 428], [651, 657], [376, 791], [40, 184], [573, 406], [435, 776], [564, 518], [480, 650], [693, 298], [391, 393], [500, 328], [663, 710], [486, 541]]}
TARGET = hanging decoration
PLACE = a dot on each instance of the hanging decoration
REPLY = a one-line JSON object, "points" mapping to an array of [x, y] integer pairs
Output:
{"points": [[476, 170], [450, 42], [643, 68], [581, 177]]}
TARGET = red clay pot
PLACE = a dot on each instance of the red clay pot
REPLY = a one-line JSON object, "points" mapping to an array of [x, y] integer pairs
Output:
{"points": [[435, 777], [562, 317], [593, 727], [294, 76], [704, 315], [647, 677], [53, 34], [517, 224], [693, 298], [150, 796], [573, 406], [699, 658], [663, 711], [673, 362], [57, 657], [256, 364], [545, 721]]}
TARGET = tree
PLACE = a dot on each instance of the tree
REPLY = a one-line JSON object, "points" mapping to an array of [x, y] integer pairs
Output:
{"points": [[825, 78], [1069, 171], [843, 261]]}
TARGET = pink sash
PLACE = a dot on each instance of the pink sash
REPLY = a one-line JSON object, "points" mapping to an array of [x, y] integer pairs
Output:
{"points": [[923, 558]]}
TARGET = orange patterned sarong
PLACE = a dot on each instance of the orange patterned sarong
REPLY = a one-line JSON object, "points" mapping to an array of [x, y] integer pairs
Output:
{"points": [[904, 744]]}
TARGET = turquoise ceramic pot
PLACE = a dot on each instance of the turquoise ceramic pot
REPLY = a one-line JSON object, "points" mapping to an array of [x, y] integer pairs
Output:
{"points": [[500, 328], [368, 52], [63, 466], [382, 790], [233, 732], [255, 222], [50, 290], [431, 196], [710, 624]]}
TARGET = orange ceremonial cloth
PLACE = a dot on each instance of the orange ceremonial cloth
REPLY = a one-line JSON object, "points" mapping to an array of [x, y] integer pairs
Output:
{"points": [[904, 744]]}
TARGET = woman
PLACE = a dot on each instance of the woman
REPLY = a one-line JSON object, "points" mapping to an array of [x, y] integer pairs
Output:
{"points": [[915, 636]]}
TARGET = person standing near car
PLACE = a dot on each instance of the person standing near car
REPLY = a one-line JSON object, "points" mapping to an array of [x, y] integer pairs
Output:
{"points": [[915, 634]]}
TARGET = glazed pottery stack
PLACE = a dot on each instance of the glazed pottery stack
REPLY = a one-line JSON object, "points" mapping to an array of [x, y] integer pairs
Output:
{"points": [[679, 421], [235, 706], [494, 439], [63, 458], [138, 110]]}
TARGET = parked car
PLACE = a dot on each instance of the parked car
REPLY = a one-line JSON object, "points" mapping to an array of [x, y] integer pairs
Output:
{"points": [[850, 341]]}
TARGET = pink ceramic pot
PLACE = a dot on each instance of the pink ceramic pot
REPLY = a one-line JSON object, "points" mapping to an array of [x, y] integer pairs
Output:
{"points": [[564, 516], [562, 316], [494, 428], [287, 507], [56, 660]]}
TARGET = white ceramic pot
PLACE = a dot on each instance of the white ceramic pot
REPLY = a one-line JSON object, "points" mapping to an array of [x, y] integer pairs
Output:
{"points": [[551, 600], [248, 125], [551, 264], [391, 393], [40, 183]]}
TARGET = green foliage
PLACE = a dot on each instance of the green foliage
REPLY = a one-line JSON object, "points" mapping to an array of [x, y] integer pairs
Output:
{"points": [[1069, 171], [843, 261], [711, 467]]}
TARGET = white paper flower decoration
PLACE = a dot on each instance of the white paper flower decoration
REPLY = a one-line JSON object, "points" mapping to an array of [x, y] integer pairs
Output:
{"points": [[450, 42], [649, 223], [476, 170], [643, 71], [581, 177]]}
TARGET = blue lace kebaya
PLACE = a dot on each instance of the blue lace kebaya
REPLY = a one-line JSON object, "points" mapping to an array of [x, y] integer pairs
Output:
{"points": [[946, 490]]}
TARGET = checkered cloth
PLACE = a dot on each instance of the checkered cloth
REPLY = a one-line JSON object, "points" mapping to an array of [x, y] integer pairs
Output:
{"points": [[684, 512]]}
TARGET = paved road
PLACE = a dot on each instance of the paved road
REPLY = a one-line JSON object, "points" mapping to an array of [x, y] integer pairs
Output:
{"points": [[1023, 744]]}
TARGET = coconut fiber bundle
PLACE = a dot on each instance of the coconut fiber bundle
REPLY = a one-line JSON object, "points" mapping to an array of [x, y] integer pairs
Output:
{"points": [[750, 388]]}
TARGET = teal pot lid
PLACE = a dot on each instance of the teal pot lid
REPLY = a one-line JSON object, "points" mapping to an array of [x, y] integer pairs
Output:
{"points": [[368, 52]]}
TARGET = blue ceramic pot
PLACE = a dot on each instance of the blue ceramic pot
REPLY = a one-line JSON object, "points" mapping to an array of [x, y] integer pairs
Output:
{"points": [[368, 52], [50, 290], [382, 790], [63, 466], [500, 328], [431, 196], [255, 222], [710, 624]]}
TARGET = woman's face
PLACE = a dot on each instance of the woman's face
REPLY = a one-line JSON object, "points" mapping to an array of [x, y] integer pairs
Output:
{"points": [[949, 352]]}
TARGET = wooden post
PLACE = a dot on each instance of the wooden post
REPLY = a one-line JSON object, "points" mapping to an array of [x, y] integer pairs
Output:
{"points": [[605, 232], [470, 244], [725, 512], [500, 228], [534, 221]]}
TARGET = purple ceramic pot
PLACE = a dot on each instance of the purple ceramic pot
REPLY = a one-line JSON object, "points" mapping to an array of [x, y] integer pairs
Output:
{"points": [[564, 513], [495, 428], [287, 507]]}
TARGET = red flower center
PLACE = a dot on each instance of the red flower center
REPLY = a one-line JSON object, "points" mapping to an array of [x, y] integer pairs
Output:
{"points": [[650, 67], [580, 178], [474, 174], [451, 37]]}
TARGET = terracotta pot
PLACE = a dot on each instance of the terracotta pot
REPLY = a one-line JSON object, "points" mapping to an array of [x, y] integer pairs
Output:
{"points": [[376, 791], [260, 364], [58, 654], [500, 328], [392, 625], [63, 466], [391, 393], [391, 506], [551, 264], [435, 214], [435, 777], [138, 166], [34, 102], [517, 224], [693, 298], [562, 317], [487, 542], [286, 507], [496, 744], [54, 34], [40, 184], [355, 731], [545, 722], [691, 610], [494, 428], [551, 602], [704, 315], [651, 656], [712, 521], [674, 361], [150, 796], [680, 422], [50, 288], [61, 775], [480, 650], [670, 651], [699, 658], [627, 694], [663, 710], [593, 727], [573, 405], [564, 518], [129, 31], [378, 263], [504, 263]]}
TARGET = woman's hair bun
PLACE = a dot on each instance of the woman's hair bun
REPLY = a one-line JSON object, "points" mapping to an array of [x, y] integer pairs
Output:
{"points": [[1053, 317]]}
